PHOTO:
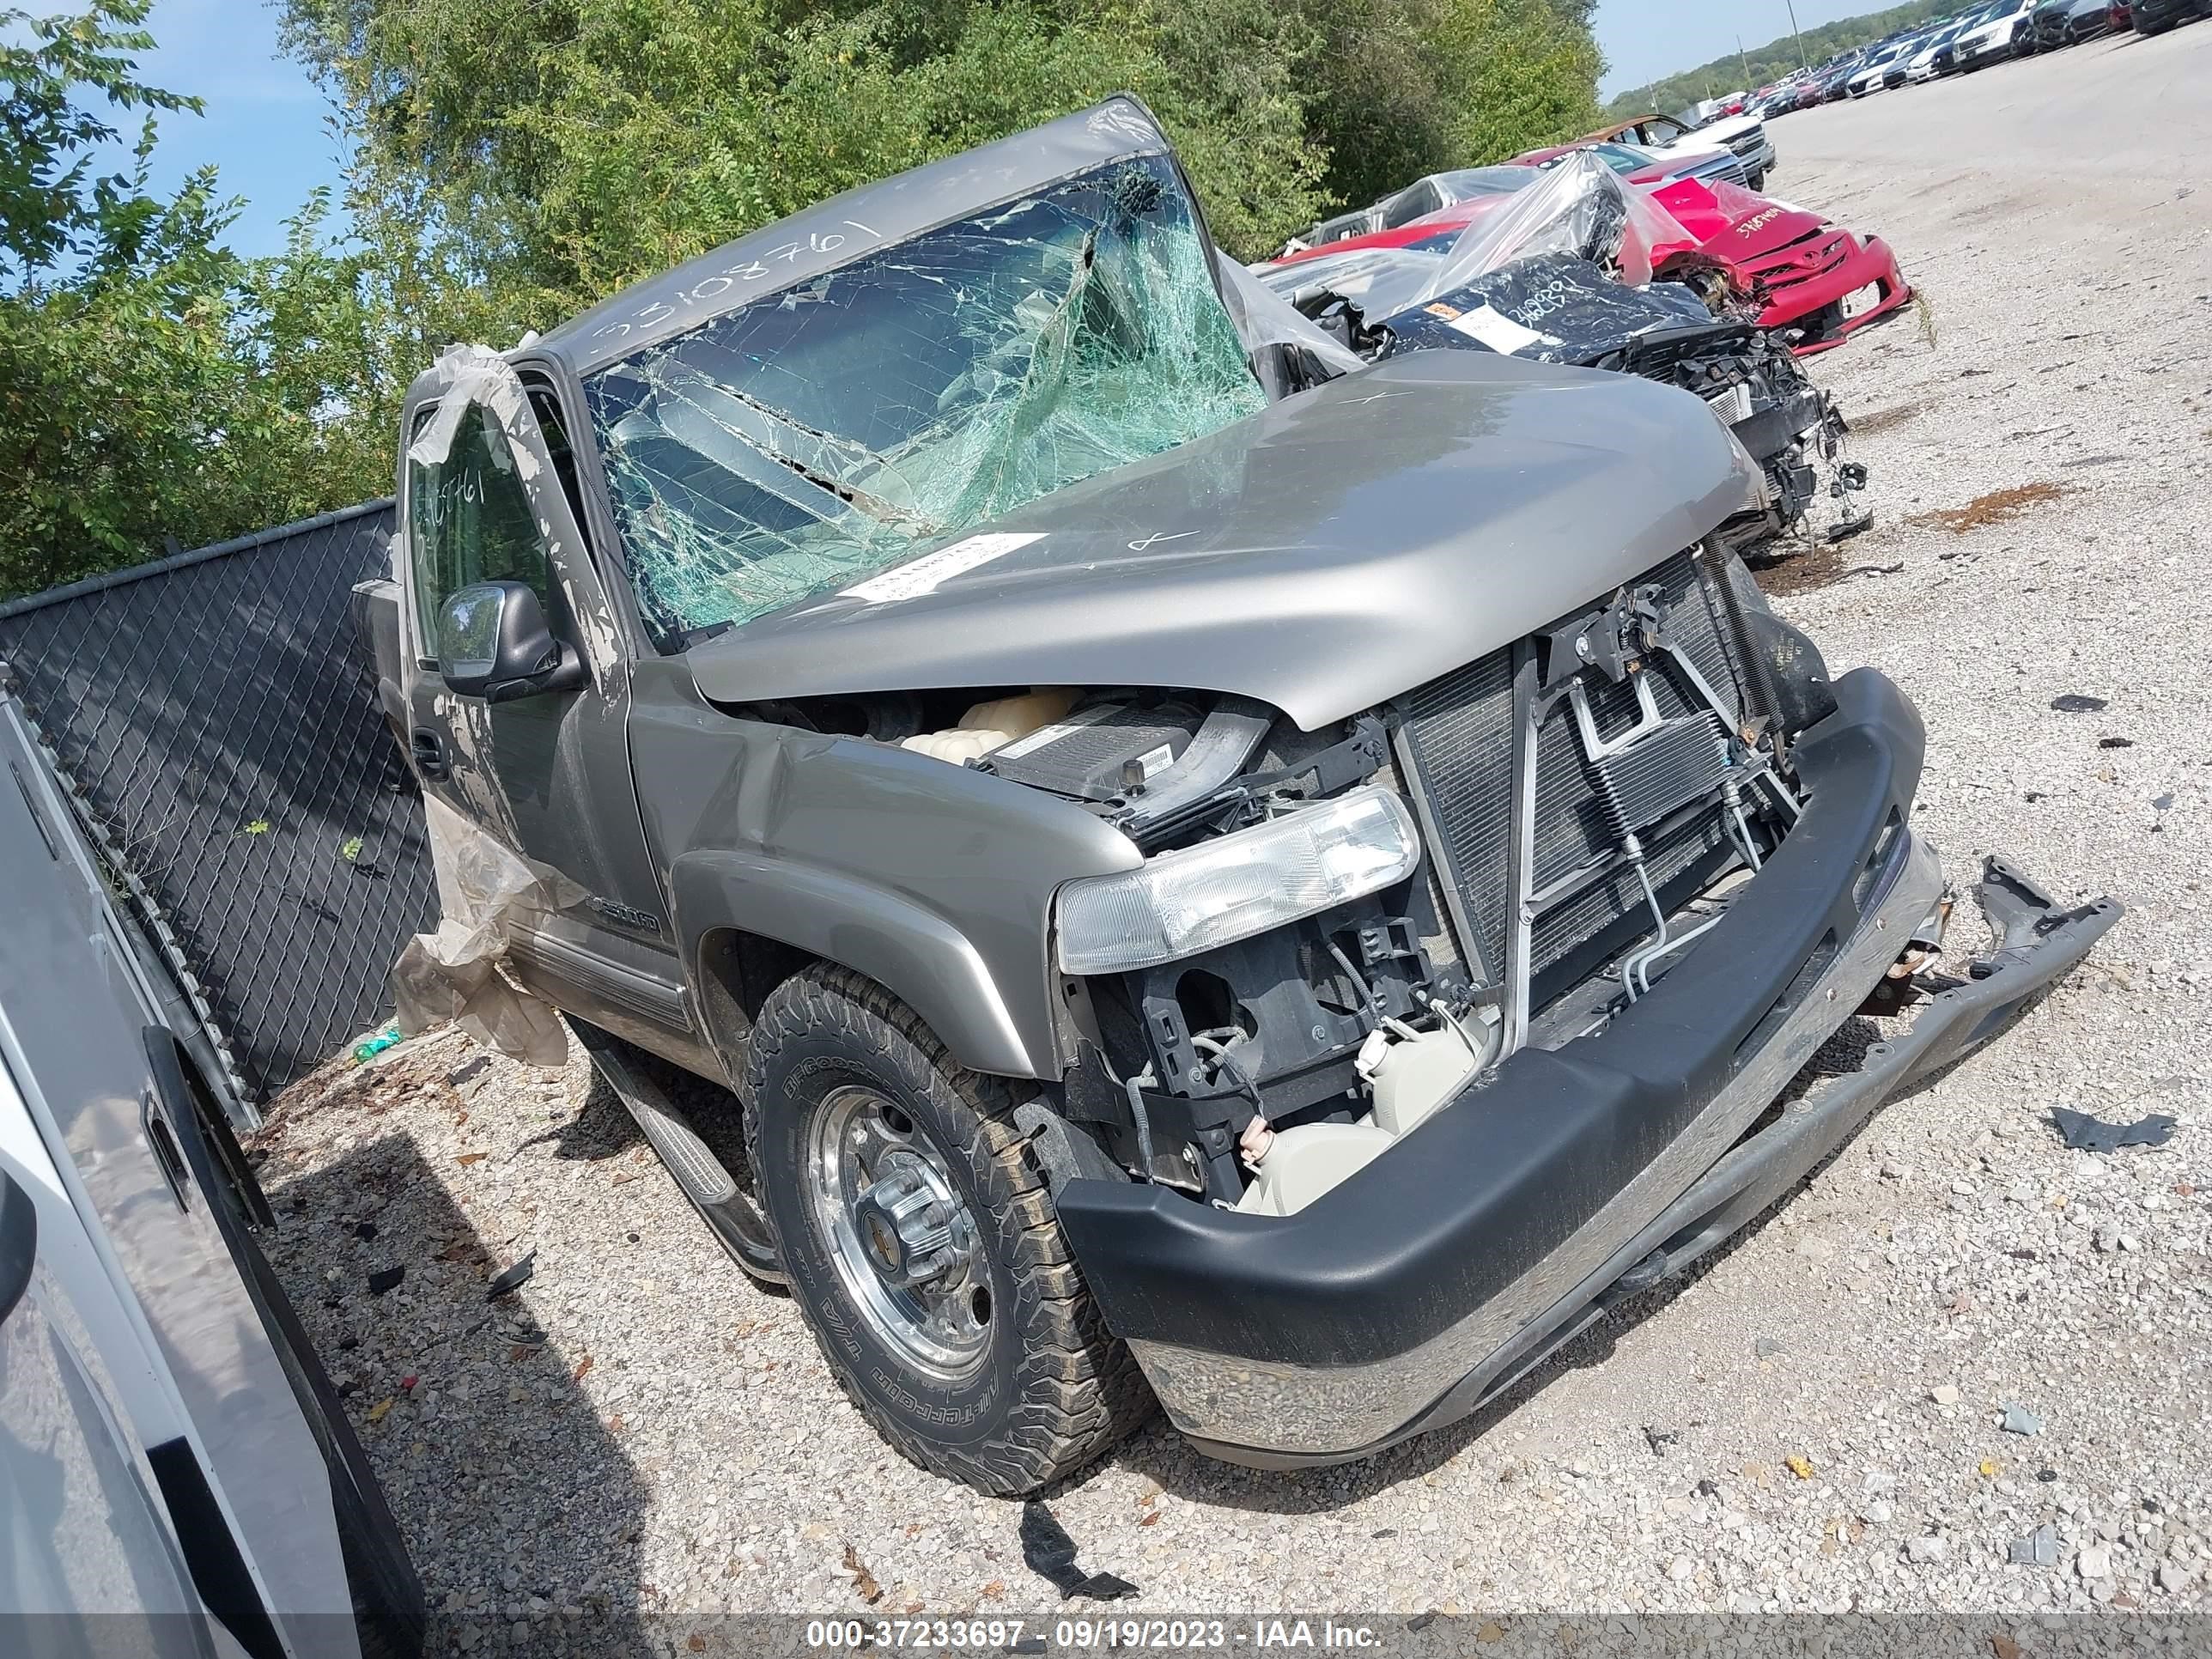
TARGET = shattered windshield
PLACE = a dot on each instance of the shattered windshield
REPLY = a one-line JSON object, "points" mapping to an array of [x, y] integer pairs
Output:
{"points": [[830, 431]]}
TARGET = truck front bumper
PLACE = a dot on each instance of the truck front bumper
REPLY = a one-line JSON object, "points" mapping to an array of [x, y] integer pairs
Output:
{"points": [[1432, 1279]]}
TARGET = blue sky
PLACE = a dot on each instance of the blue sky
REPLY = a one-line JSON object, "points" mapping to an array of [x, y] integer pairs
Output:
{"points": [[264, 124], [265, 121]]}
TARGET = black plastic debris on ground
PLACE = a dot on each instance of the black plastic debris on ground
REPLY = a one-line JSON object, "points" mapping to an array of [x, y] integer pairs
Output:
{"points": [[2084, 1133], [2115, 743], [385, 1279], [1049, 1551], [514, 1279], [2073, 702]]}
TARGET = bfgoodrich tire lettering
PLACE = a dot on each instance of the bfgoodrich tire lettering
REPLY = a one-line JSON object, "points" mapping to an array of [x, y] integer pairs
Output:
{"points": [[1044, 1388]]}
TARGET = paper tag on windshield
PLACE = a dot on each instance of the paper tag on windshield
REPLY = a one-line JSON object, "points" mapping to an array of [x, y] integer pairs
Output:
{"points": [[923, 575], [1498, 330]]}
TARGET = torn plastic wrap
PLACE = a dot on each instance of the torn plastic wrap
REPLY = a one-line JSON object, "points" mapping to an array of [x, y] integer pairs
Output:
{"points": [[472, 374], [453, 975], [828, 431], [1375, 281], [1265, 320], [1580, 207]]}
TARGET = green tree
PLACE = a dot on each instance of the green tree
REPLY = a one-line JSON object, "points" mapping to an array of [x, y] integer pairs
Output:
{"points": [[514, 159], [1403, 87], [576, 145], [580, 145], [157, 388]]}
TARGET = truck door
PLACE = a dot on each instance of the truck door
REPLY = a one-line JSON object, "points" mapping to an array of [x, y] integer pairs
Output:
{"points": [[488, 493]]}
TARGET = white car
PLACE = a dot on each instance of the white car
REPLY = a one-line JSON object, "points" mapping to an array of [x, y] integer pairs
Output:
{"points": [[1921, 66], [177, 1477], [1993, 34], [1867, 76], [1671, 139], [1704, 163]]}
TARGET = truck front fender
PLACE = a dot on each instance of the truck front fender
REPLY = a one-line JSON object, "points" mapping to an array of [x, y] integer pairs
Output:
{"points": [[917, 954]]}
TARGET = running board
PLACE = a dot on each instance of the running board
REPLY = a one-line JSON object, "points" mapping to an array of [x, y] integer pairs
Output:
{"points": [[733, 1218]]}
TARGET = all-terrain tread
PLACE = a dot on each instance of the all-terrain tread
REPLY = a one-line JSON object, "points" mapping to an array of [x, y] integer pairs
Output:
{"points": [[1079, 1388]]}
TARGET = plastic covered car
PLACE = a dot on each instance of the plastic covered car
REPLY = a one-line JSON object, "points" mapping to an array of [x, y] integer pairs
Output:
{"points": [[1423, 197], [1816, 281], [1565, 276]]}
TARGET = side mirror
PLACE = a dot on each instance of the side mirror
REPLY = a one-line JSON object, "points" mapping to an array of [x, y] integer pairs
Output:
{"points": [[493, 643]]}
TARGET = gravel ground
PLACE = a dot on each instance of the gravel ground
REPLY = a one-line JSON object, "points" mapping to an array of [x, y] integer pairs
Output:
{"points": [[1814, 1422]]}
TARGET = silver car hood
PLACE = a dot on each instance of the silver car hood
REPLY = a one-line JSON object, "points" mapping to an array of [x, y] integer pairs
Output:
{"points": [[1323, 556]]}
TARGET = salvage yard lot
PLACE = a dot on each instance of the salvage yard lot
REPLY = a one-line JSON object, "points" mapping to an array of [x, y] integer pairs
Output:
{"points": [[1811, 1422]]}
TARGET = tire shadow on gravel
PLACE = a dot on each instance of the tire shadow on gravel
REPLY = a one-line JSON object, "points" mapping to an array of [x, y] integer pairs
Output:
{"points": [[521, 1512], [1160, 1454]]}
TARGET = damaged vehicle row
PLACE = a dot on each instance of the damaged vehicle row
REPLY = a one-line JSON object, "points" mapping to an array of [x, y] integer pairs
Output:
{"points": [[1094, 765], [1581, 269]]}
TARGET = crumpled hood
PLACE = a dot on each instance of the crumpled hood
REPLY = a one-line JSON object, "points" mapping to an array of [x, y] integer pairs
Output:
{"points": [[1329, 553], [1715, 135], [1736, 224]]}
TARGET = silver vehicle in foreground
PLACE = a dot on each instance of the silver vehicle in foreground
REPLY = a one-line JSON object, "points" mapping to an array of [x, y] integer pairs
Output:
{"points": [[176, 1476], [1216, 870]]}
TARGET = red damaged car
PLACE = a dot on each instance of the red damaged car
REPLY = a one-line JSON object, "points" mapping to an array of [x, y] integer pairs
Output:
{"points": [[1825, 281]]}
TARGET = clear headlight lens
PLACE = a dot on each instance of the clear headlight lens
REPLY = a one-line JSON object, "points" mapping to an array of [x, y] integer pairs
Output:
{"points": [[1235, 886]]}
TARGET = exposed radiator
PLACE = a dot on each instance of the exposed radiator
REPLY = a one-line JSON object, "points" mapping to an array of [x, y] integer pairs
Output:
{"points": [[1459, 740], [1457, 743]]}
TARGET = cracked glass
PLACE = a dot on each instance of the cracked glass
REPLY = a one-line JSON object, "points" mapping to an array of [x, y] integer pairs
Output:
{"points": [[827, 432]]}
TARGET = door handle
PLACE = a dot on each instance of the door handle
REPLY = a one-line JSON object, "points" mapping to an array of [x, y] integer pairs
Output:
{"points": [[428, 749], [161, 1139]]}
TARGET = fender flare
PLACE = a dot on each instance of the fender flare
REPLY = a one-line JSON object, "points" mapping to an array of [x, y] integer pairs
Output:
{"points": [[912, 951]]}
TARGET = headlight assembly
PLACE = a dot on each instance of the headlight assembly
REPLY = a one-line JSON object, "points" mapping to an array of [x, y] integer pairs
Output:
{"points": [[1179, 905]]}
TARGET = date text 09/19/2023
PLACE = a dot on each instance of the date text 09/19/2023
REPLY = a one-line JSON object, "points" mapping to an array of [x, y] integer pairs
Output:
{"points": [[1021, 1636]]}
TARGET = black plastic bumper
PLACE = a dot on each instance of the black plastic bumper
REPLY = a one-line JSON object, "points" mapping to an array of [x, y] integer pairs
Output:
{"points": [[1406, 1250]]}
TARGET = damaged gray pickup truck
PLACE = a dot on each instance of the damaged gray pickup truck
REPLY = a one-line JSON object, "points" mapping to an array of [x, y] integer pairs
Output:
{"points": [[1095, 768]]}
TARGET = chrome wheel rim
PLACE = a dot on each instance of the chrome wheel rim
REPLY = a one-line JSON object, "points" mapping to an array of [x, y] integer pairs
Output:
{"points": [[900, 1235]]}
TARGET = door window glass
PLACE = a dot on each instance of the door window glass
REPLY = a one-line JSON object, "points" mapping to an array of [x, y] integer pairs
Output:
{"points": [[469, 520], [1410, 204]]}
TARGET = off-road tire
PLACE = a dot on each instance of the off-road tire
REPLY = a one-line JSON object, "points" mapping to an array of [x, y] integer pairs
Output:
{"points": [[1056, 1389]]}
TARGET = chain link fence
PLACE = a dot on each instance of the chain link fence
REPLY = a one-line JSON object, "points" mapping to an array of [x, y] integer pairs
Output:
{"points": [[216, 718]]}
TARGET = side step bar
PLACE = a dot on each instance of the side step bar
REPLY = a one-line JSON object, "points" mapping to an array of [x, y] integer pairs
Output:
{"points": [[734, 1220]]}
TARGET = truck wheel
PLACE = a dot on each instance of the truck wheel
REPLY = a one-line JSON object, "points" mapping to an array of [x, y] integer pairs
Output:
{"points": [[922, 1243]]}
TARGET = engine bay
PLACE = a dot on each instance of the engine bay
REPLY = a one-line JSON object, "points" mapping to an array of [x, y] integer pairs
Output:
{"points": [[1587, 799]]}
